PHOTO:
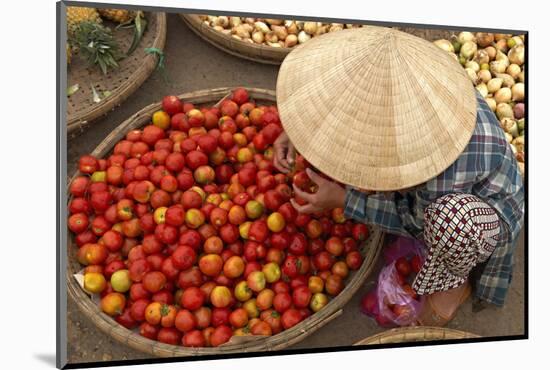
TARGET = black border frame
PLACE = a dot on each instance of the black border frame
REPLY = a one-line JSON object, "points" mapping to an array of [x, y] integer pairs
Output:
{"points": [[61, 173]]}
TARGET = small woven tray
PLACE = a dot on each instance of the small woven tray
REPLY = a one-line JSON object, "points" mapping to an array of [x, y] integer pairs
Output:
{"points": [[415, 334], [120, 82]]}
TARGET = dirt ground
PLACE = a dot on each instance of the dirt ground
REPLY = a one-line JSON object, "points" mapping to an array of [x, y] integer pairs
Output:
{"points": [[193, 64]]}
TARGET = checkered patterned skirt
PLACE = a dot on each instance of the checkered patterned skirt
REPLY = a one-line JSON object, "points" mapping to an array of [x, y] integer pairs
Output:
{"points": [[460, 232]]}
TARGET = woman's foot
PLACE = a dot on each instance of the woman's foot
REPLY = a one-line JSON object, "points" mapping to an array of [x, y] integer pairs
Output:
{"points": [[441, 307]]}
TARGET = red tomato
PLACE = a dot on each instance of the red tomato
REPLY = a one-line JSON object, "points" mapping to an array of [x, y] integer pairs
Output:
{"points": [[290, 318], [403, 267]]}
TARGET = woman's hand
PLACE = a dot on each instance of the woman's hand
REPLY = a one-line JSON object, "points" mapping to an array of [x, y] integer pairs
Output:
{"points": [[283, 159], [329, 195]]}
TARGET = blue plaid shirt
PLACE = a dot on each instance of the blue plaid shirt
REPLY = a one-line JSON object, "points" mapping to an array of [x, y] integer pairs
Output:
{"points": [[487, 169]]}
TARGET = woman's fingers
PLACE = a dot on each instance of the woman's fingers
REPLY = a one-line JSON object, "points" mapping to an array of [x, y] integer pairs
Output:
{"points": [[279, 161], [306, 208], [310, 198], [315, 177], [290, 155]]}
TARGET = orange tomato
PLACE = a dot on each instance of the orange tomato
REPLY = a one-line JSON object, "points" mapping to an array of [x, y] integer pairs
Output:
{"points": [[113, 303], [153, 313]]}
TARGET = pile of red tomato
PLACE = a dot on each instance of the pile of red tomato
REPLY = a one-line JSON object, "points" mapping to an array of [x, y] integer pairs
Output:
{"points": [[187, 232]]}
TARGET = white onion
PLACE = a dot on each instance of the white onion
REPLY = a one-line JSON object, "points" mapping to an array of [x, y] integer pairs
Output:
{"points": [[481, 57], [503, 95], [472, 74], [291, 40], [222, 21], [292, 28], [303, 37], [275, 22], [258, 37], [519, 143], [498, 66], [491, 52], [507, 80], [271, 37], [518, 91], [484, 75], [502, 36], [322, 29], [517, 40], [473, 65], [468, 49], [517, 55], [444, 45], [261, 26], [521, 77], [502, 57], [494, 85], [241, 32], [510, 126], [513, 70], [509, 138], [235, 21], [491, 103], [464, 37], [521, 121], [504, 110], [310, 27], [482, 88], [501, 46]]}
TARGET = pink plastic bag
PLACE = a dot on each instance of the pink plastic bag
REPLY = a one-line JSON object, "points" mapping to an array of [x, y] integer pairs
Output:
{"points": [[403, 247], [389, 303]]}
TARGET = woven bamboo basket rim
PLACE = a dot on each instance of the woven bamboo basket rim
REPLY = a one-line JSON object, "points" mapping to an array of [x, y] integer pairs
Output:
{"points": [[132, 76], [415, 334], [254, 52], [333, 309]]}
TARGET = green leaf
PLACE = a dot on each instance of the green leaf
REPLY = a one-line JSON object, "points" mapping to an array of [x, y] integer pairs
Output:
{"points": [[140, 24]]}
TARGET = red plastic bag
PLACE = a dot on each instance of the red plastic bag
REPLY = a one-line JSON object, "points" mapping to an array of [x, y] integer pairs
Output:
{"points": [[393, 302]]}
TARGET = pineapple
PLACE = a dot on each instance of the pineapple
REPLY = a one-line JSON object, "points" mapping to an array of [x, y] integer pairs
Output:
{"points": [[69, 54], [78, 14], [96, 44], [117, 15]]}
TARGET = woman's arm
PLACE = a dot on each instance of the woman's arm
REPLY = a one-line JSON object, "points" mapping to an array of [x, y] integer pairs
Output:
{"points": [[390, 212]]}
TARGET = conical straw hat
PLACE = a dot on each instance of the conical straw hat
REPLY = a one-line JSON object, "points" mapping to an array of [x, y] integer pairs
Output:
{"points": [[376, 108]]}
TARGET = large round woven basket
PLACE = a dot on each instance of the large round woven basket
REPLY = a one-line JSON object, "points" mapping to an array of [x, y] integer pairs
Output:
{"points": [[415, 334], [268, 54], [370, 250], [255, 52], [120, 82]]}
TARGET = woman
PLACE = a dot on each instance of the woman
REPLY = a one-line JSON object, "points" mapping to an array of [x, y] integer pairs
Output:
{"points": [[398, 121]]}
